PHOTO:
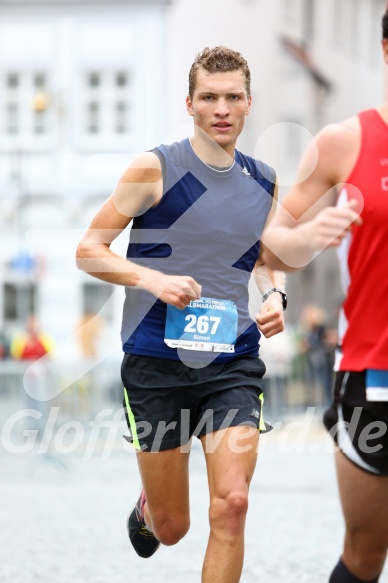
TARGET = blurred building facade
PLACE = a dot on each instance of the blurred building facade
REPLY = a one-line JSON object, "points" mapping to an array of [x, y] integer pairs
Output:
{"points": [[81, 86], [87, 84]]}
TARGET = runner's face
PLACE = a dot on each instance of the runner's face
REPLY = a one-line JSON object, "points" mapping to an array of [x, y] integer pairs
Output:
{"points": [[219, 106]]}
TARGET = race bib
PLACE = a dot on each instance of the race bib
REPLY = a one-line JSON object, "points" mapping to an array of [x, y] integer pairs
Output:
{"points": [[207, 325], [376, 385]]}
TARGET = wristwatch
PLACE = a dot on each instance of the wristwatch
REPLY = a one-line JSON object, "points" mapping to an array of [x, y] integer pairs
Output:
{"points": [[281, 292]]}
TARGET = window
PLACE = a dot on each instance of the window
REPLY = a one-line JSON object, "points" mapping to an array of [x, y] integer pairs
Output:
{"points": [[121, 79], [107, 103], [94, 80], [19, 301], [13, 80], [39, 80], [12, 117], [94, 118], [26, 107], [121, 117], [39, 121], [12, 103]]}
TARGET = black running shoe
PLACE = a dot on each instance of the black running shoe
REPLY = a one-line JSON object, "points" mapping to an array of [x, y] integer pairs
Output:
{"points": [[142, 539]]}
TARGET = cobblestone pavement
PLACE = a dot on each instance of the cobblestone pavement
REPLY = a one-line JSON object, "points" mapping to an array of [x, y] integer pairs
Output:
{"points": [[62, 517]]}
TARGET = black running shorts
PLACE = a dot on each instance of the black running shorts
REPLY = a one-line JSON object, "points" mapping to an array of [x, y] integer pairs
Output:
{"points": [[359, 427], [167, 402]]}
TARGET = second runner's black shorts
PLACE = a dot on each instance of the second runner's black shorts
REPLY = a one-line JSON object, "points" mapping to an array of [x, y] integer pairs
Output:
{"points": [[359, 427]]}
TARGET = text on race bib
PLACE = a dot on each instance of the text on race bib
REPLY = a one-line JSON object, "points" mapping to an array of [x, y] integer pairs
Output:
{"points": [[207, 324]]}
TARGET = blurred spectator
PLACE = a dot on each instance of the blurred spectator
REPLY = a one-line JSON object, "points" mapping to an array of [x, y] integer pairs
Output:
{"points": [[31, 345], [278, 353], [89, 330], [316, 343]]}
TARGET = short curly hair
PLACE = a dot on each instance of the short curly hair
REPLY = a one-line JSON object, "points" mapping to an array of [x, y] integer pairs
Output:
{"points": [[385, 24], [216, 60]]}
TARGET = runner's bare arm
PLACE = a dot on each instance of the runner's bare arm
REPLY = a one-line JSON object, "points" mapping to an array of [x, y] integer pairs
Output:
{"points": [[306, 221], [270, 318], [139, 188]]}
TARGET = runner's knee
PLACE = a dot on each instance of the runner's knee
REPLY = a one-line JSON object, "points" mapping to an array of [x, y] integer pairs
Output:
{"points": [[227, 513], [169, 530]]}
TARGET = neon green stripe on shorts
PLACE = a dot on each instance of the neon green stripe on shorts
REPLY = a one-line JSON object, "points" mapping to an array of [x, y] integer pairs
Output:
{"points": [[262, 426], [132, 422]]}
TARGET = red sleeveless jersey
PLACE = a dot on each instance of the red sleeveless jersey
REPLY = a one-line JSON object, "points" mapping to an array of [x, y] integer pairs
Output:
{"points": [[363, 255]]}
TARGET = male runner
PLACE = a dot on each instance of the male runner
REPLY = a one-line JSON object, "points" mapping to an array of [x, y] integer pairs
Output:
{"points": [[191, 365], [350, 178]]}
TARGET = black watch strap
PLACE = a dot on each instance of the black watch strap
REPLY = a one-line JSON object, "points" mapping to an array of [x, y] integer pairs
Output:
{"points": [[281, 292]]}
